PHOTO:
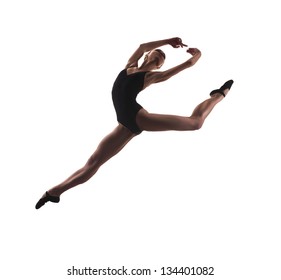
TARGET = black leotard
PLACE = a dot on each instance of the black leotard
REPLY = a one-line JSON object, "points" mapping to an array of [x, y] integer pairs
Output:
{"points": [[124, 92]]}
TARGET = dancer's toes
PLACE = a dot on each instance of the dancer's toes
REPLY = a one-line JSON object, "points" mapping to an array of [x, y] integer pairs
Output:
{"points": [[45, 198], [223, 90], [227, 85]]}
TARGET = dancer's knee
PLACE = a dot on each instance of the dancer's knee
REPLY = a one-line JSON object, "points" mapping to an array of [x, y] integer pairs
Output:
{"points": [[94, 160], [197, 123]]}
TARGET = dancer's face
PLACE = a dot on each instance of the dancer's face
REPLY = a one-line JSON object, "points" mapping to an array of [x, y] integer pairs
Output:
{"points": [[156, 57]]}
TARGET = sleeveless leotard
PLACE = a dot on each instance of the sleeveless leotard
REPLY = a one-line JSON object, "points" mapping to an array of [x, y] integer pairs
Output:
{"points": [[124, 92]]}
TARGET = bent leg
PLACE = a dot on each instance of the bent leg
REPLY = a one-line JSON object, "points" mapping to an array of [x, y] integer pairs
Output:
{"points": [[107, 148], [159, 122]]}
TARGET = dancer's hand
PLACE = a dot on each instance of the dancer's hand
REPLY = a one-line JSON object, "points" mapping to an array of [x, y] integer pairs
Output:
{"points": [[193, 51], [176, 42]]}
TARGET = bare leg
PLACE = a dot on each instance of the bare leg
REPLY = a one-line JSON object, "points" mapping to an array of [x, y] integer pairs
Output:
{"points": [[117, 139], [159, 122], [108, 147]]}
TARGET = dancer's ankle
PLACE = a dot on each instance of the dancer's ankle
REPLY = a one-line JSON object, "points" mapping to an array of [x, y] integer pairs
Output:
{"points": [[53, 193]]}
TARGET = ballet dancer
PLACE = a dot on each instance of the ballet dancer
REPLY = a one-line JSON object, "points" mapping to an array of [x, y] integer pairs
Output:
{"points": [[132, 117]]}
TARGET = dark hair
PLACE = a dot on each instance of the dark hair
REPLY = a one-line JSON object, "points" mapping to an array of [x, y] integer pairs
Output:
{"points": [[161, 52]]}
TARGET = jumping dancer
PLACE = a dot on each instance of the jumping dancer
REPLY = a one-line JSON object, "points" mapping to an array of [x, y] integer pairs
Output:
{"points": [[132, 117]]}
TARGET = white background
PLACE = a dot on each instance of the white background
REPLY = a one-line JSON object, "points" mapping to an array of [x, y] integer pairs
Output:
{"points": [[204, 198]]}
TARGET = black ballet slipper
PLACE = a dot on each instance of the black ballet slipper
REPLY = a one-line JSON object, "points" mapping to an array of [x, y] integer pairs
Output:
{"points": [[48, 197], [226, 85]]}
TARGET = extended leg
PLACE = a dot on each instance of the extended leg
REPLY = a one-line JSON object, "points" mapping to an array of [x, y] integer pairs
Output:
{"points": [[107, 148], [159, 122]]}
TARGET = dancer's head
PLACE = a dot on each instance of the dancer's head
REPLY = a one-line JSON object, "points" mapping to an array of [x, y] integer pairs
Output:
{"points": [[156, 57]]}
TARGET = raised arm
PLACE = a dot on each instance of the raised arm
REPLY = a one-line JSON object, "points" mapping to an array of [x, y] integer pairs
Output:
{"points": [[146, 47], [156, 77]]}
